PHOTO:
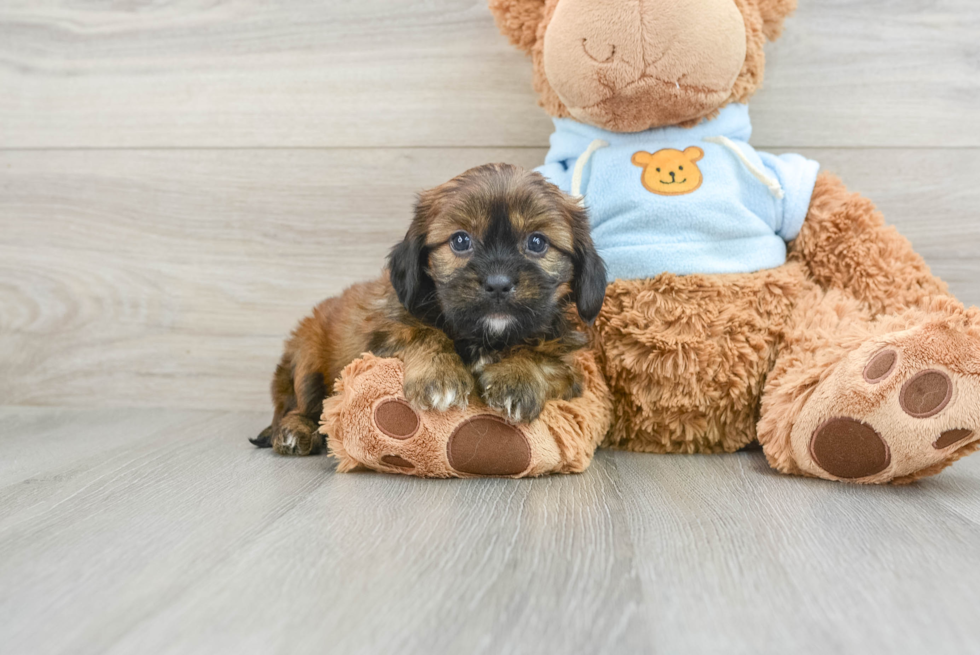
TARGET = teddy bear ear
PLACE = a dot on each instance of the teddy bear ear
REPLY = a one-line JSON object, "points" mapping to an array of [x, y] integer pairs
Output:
{"points": [[641, 158], [694, 153], [773, 13], [519, 20]]}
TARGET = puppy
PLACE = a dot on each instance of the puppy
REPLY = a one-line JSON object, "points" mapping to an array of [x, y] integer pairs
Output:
{"points": [[480, 296]]}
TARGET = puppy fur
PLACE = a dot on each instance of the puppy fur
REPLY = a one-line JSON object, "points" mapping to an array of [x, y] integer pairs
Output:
{"points": [[488, 293]]}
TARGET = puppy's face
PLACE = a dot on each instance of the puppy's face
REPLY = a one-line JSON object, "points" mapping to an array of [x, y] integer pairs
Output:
{"points": [[495, 255]]}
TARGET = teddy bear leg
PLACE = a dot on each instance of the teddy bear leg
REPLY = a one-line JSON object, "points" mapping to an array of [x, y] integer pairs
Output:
{"points": [[686, 357], [873, 400], [369, 424], [845, 244]]}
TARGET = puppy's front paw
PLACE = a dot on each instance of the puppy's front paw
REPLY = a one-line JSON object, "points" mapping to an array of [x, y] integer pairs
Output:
{"points": [[518, 397], [441, 384]]}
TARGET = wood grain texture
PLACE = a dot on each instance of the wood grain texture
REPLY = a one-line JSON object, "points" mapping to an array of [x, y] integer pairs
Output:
{"points": [[376, 73], [736, 558], [170, 278], [174, 535], [154, 531]]}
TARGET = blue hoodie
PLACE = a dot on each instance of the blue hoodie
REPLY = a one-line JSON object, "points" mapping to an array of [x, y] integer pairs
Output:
{"points": [[698, 200]]}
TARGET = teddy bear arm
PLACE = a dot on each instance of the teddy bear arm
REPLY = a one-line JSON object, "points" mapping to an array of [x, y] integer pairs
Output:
{"points": [[845, 244]]}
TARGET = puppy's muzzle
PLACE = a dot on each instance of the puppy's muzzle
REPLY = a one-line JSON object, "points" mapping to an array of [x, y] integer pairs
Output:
{"points": [[499, 286]]}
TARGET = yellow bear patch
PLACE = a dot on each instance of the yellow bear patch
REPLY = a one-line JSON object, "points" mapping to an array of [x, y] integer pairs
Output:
{"points": [[670, 172]]}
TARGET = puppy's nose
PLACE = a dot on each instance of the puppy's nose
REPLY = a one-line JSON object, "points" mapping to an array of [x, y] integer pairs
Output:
{"points": [[498, 284]]}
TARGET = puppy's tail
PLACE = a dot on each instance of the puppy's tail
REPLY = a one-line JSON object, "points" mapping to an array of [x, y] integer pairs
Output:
{"points": [[264, 438]]}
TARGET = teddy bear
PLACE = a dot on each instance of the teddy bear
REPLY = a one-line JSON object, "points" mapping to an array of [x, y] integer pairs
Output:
{"points": [[751, 297]]}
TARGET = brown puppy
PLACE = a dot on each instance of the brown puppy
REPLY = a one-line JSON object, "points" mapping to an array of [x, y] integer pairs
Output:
{"points": [[478, 297]]}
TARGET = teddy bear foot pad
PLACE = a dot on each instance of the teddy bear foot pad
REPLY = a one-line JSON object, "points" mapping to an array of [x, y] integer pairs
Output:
{"points": [[481, 445], [889, 414], [369, 424]]}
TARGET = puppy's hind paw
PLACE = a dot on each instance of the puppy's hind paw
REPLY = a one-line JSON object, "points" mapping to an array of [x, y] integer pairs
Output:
{"points": [[297, 435]]}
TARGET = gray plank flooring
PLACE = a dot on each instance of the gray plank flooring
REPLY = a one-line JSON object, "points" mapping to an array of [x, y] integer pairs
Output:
{"points": [[180, 182], [163, 531]]}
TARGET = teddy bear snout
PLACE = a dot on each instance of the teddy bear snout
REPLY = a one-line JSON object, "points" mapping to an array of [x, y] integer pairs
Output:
{"points": [[606, 52], [589, 56], [607, 59]]}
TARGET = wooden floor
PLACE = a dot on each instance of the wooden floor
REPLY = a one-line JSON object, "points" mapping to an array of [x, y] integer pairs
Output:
{"points": [[181, 181], [162, 531]]}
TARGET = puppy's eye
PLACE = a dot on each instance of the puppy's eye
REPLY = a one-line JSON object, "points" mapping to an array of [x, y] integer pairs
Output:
{"points": [[460, 242], [537, 243]]}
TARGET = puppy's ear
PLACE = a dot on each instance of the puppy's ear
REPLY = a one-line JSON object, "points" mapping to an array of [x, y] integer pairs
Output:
{"points": [[408, 260], [589, 283], [406, 266]]}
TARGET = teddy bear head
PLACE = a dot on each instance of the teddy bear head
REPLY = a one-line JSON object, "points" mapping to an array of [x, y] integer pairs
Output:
{"points": [[632, 65]]}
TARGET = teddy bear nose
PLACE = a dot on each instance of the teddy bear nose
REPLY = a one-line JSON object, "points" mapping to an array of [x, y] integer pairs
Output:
{"points": [[673, 175]]}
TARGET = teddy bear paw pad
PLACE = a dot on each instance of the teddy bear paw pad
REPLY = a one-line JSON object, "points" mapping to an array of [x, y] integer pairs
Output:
{"points": [[398, 462], [951, 437], [849, 449], [396, 418], [926, 394], [487, 445], [888, 413], [880, 366]]}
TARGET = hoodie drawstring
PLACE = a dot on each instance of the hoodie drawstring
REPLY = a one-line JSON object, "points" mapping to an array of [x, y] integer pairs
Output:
{"points": [[583, 159], [774, 187]]}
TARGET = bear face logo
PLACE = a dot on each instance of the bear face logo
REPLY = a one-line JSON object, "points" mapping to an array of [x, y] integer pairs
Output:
{"points": [[670, 172]]}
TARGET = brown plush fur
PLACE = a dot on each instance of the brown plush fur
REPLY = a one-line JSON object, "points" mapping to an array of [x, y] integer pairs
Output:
{"points": [[826, 330], [846, 244], [686, 357]]}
